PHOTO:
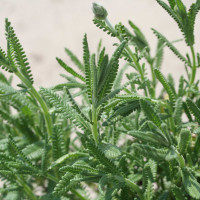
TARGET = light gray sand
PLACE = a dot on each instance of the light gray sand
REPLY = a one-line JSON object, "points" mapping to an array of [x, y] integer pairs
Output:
{"points": [[45, 27]]}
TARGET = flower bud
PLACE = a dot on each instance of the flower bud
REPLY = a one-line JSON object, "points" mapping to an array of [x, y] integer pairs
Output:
{"points": [[99, 11]]}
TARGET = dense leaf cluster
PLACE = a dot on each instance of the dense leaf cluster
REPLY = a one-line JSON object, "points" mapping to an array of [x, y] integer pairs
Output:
{"points": [[122, 140]]}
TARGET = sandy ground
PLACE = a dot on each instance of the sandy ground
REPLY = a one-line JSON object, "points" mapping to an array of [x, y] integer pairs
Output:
{"points": [[45, 27]]}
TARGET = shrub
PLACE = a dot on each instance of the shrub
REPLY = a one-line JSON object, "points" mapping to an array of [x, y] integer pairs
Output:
{"points": [[123, 141]]}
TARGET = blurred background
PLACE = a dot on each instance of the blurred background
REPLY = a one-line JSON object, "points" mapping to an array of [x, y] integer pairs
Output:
{"points": [[45, 27]]}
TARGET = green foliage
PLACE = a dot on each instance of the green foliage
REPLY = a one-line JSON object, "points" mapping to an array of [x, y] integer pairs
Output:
{"points": [[65, 184], [150, 152], [58, 143], [74, 59], [166, 86], [106, 129], [66, 110], [139, 39], [74, 104], [185, 19], [177, 115], [190, 183], [193, 109], [102, 25], [16, 53], [170, 45], [150, 113], [111, 70], [4, 62], [86, 59], [149, 137], [178, 193], [184, 140], [70, 70], [99, 155], [159, 54], [171, 11], [181, 90]]}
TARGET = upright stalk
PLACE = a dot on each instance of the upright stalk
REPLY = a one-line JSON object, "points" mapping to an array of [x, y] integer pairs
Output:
{"points": [[110, 25], [153, 80], [39, 99]]}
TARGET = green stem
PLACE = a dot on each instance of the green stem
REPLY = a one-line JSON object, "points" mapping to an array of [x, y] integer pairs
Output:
{"points": [[26, 188], [194, 67], [134, 187], [110, 25], [43, 105], [78, 194], [153, 80], [54, 179]]}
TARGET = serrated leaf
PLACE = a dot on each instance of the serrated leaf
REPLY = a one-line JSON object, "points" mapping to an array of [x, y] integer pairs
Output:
{"points": [[170, 45], [184, 140], [111, 151], [171, 12], [70, 156], [172, 154], [191, 184], [193, 109], [70, 70], [167, 86], [17, 54], [34, 151], [74, 59], [150, 113], [86, 59]]}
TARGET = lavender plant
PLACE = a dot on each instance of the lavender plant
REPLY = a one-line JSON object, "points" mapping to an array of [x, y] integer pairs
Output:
{"points": [[124, 140]]}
